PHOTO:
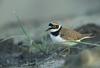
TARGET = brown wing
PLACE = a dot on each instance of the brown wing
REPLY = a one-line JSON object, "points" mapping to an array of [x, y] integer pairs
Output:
{"points": [[70, 34]]}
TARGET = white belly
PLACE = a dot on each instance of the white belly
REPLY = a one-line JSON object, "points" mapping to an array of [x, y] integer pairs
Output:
{"points": [[57, 39]]}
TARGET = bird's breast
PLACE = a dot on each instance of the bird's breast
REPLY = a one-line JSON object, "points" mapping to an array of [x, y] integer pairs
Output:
{"points": [[56, 39], [60, 40]]}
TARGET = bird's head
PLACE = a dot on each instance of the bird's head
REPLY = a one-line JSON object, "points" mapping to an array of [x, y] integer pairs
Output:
{"points": [[54, 26]]}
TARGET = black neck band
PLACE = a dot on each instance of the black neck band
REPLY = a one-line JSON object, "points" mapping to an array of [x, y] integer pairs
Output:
{"points": [[57, 32]]}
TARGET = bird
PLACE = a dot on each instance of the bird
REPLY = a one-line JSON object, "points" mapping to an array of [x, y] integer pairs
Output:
{"points": [[60, 34]]}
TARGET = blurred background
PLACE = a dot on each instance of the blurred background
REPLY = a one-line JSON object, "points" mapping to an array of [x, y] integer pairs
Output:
{"points": [[34, 14]]}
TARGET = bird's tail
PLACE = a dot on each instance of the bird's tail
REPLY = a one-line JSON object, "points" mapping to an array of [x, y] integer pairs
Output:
{"points": [[86, 36]]}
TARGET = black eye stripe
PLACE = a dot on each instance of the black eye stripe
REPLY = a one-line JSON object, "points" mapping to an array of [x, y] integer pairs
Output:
{"points": [[50, 24], [53, 26], [56, 26]]}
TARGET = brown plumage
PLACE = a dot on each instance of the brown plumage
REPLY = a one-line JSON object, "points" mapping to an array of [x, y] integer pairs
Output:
{"points": [[69, 34]]}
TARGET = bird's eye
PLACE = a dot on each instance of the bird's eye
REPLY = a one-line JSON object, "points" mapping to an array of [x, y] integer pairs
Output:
{"points": [[56, 26]]}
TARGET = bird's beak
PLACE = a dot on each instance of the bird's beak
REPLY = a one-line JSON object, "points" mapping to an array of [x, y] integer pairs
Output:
{"points": [[48, 29]]}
